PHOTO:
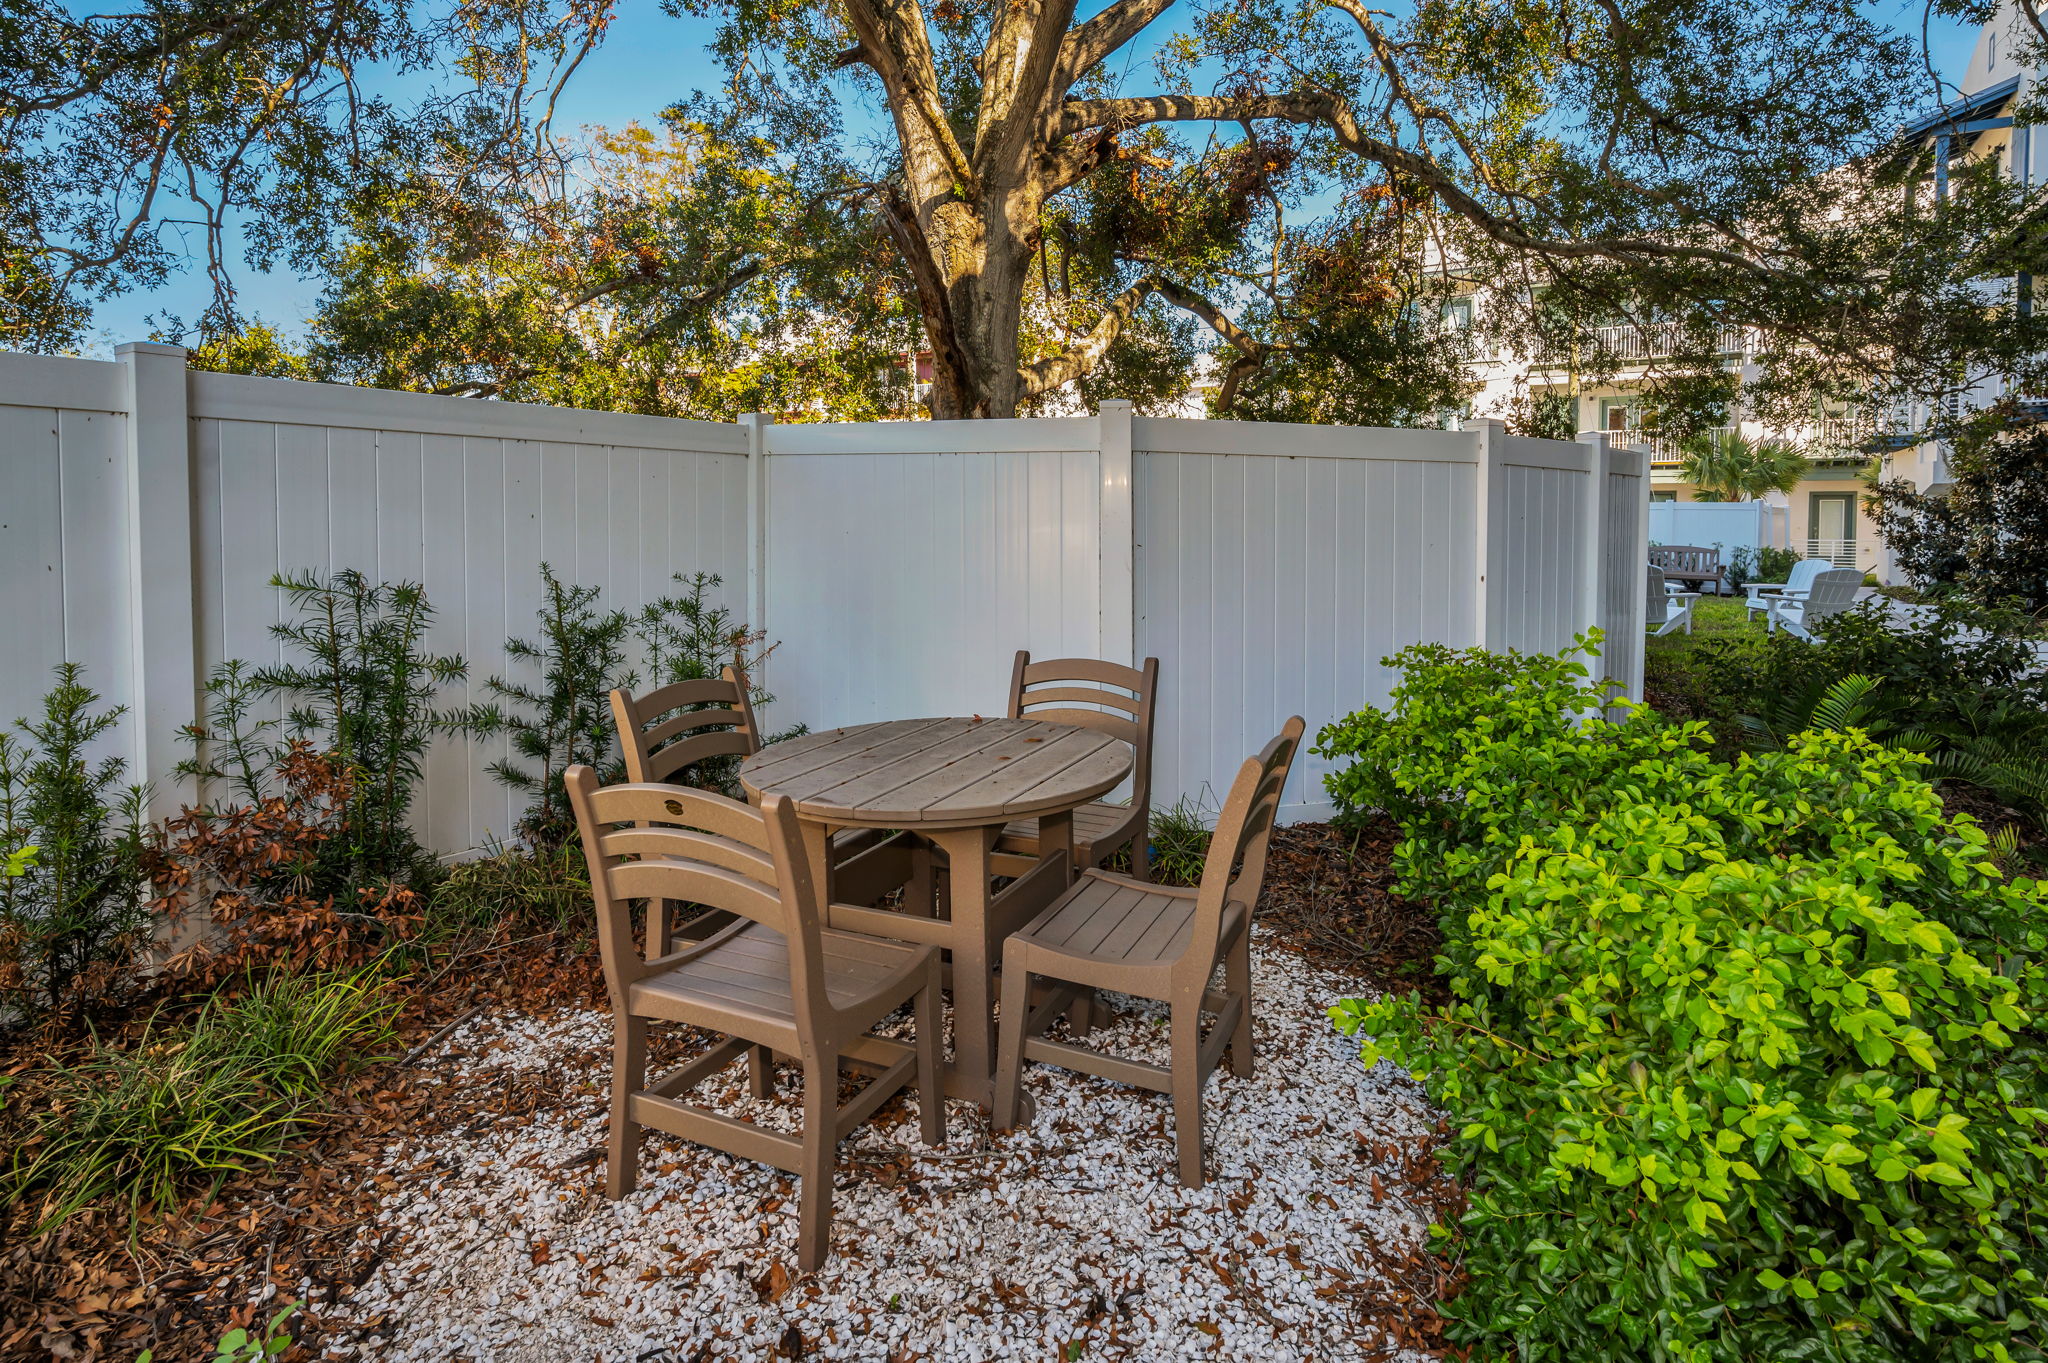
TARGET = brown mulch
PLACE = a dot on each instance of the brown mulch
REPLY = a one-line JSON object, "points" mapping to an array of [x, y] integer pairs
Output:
{"points": [[86, 1290], [1329, 895]]}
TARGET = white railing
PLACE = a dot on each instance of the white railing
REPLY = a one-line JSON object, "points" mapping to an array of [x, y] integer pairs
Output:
{"points": [[1841, 553], [899, 564], [1632, 342]]}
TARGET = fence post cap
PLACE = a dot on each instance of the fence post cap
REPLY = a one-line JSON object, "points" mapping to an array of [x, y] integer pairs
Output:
{"points": [[150, 348]]}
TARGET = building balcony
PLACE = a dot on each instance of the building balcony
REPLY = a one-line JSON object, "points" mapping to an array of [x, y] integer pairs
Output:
{"points": [[1636, 343]]}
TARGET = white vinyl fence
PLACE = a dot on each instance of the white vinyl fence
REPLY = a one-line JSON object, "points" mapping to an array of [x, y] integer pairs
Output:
{"points": [[143, 509], [1728, 525]]}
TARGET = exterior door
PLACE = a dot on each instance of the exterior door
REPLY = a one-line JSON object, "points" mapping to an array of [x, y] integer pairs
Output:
{"points": [[1831, 529]]}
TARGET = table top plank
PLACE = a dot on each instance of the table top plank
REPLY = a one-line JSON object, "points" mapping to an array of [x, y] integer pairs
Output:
{"points": [[791, 761], [1003, 776], [952, 772], [965, 754]]}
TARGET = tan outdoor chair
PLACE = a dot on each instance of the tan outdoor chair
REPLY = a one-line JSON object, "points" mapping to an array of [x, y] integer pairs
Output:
{"points": [[1112, 932], [773, 981], [659, 743], [1049, 691]]}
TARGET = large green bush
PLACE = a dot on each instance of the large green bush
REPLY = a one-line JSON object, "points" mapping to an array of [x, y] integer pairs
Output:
{"points": [[1742, 1056]]}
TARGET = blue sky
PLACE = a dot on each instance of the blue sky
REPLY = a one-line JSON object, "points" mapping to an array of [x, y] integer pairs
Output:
{"points": [[647, 62]]}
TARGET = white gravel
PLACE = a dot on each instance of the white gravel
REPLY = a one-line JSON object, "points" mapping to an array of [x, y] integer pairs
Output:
{"points": [[1068, 1240]]}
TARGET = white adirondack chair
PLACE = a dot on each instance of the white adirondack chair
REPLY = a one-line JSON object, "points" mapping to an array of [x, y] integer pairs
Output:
{"points": [[1831, 593], [1795, 584], [1665, 608]]}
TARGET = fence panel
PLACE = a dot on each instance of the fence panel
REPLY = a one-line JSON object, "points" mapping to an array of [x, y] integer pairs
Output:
{"points": [[1625, 541], [1535, 598], [1275, 566], [66, 574], [907, 563], [1269, 567], [467, 498]]}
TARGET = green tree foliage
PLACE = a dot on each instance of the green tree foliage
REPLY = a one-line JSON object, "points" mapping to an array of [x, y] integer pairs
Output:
{"points": [[133, 138], [74, 900], [1987, 533], [1743, 1058], [1302, 188]]}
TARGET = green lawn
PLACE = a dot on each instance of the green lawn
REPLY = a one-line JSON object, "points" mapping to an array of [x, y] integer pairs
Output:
{"points": [[1675, 677]]}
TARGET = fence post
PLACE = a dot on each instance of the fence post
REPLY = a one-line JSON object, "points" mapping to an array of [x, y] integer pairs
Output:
{"points": [[757, 424], [1489, 529], [164, 609], [1593, 572], [1117, 573]]}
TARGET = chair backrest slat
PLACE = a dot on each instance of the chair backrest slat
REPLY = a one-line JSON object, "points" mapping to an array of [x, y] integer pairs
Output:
{"points": [[1044, 690], [657, 742], [656, 843], [1235, 869]]}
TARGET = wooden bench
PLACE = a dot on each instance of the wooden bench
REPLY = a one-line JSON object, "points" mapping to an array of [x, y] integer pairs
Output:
{"points": [[1695, 565]]}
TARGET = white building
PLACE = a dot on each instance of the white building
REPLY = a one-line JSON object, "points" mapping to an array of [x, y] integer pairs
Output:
{"points": [[1824, 515]]}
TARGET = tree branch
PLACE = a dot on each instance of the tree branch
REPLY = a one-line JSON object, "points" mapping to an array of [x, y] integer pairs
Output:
{"points": [[1087, 44], [1049, 372]]}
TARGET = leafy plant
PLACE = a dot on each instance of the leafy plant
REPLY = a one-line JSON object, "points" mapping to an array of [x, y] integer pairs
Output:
{"points": [[240, 1345], [1729, 466], [544, 887], [264, 874], [364, 691], [73, 904], [1763, 563], [180, 1106], [686, 637], [566, 717], [1959, 683], [1743, 1056], [1987, 533], [1180, 842]]}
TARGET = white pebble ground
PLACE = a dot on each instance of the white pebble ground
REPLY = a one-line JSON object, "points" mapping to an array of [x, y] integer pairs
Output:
{"points": [[1068, 1240]]}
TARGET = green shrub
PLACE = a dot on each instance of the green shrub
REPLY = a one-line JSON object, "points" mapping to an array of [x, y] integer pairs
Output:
{"points": [[1179, 842], [509, 889], [74, 901], [360, 688], [566, 717], [1960, 686], [149, 1121], [1742, 1056]]}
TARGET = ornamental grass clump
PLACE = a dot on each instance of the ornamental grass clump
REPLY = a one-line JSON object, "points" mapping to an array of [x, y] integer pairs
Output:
{"points": [[1745, 1058]]}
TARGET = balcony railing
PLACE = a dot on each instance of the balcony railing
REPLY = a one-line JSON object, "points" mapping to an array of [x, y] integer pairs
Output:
{"points": [[1841, 553], [1635, 342], [1666, 450]]}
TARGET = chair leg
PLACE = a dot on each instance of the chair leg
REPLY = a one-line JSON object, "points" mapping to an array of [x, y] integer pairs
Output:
{"points": [[1081, 1015], [1010, 1045], [1237, 979], [821, 1155], [1141, 849], [629, 1076], [931, 1060], [760, 1072], [1187, 1089], [661, 925]]}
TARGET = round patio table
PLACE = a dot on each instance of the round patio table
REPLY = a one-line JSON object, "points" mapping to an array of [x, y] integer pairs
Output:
{"points": [[955, 782]]}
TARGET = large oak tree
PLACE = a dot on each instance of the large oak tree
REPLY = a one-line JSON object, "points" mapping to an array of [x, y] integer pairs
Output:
{"points": [[1057, 200]]}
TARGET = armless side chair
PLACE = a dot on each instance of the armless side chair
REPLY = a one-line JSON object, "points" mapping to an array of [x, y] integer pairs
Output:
{"points": [[1109, 698], [1157, 942], [666, 731], [777, 981]]}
